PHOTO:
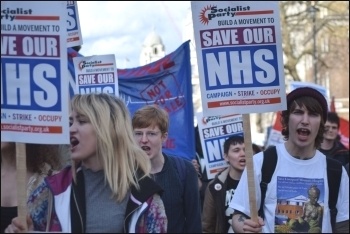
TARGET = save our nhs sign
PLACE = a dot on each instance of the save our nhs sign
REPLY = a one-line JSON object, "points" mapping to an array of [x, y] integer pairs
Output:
{"points": [[239, 53], [34, 97]]}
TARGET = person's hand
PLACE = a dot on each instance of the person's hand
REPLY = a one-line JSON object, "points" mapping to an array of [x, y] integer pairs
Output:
{"points": [[251, 226], [17, 227]]}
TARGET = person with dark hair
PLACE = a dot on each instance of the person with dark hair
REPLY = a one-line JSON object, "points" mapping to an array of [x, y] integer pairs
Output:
{"points": [[331, 146], [174, 174], [108, 188], [216, 216], [298, 163], [41, 160]]}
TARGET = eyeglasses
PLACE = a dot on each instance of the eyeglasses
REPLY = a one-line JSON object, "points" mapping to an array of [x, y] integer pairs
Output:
{"points": [[149, 135]]}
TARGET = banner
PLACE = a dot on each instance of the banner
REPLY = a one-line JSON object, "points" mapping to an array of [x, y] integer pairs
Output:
{"points": [[167, 83], [344, 132]]}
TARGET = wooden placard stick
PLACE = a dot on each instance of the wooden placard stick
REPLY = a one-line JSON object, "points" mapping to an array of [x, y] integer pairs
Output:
{"points": [[250, 167], [22, 181]]}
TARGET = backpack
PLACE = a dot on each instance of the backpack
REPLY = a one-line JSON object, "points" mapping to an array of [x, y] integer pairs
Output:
{"points": [[334, 172], [181, 168]]}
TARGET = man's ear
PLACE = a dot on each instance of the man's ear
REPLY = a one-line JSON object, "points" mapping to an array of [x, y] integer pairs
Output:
{"points": [[225, 157]]}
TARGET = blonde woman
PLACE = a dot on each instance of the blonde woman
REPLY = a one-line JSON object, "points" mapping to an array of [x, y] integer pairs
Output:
{"points": [[107, 188]]}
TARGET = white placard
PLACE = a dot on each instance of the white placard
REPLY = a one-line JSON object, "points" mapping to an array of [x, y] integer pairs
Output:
{"points": [[74, 37], [96, 74], [240, 57], [213, 131], [34, 85]]}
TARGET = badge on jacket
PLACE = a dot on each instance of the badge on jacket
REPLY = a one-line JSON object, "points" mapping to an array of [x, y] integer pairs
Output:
{"points": [[217, 187]]}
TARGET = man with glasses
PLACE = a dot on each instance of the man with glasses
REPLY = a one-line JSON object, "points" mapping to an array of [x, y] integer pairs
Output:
{"points": [[181, 196]]}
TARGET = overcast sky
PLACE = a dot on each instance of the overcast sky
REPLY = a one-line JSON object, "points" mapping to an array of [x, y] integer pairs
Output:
{"points": [[120, 28]]}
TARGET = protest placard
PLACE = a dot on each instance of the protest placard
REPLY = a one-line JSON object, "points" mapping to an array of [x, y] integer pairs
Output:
{"points": [[213, 131], [74, 37], [239, 54], [34, 93], [240, 63], [34, 85], [96, 74]]}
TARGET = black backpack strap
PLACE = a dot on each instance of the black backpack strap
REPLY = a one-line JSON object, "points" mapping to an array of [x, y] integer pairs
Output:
{"points": [[334, 173], [267, 170]]}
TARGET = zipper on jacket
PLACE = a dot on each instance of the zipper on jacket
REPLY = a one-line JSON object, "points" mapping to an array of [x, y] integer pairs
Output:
{"points": [[126, 229], [81, 219], [138, 219]]}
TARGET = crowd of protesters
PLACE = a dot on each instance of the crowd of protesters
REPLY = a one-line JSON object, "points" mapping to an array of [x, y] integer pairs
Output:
{"points": [[120, 180]]}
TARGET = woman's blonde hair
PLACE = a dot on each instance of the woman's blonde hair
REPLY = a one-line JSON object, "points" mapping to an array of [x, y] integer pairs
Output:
{"points": [[117, 150]]}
